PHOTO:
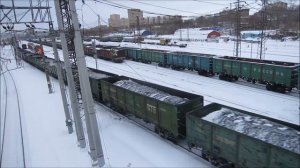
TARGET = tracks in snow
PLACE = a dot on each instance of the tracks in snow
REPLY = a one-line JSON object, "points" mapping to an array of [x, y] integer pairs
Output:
{"points": [[10, 119]]}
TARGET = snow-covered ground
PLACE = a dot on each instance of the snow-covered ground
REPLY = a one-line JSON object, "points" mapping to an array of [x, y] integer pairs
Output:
{"points": [[274, 105], [287, 51], [46, 139]]}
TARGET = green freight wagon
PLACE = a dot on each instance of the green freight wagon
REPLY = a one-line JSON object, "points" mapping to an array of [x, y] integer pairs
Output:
{"points": [[146, 56], [278, 76], [95, 77], [179, 61], [96, 85], [154, 107], [139, 54], [204, 64], [160, 57], [228, 136], [131, 53]]}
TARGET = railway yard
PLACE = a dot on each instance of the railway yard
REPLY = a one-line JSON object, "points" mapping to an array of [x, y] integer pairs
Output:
{"points": [[127, 125], [133, 84]]}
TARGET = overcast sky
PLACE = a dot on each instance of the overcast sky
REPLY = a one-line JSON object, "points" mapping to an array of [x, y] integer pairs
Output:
{"points": [[88, 12], [169, 7]]}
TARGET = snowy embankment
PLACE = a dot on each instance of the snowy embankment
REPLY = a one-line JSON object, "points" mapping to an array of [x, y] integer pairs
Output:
{"points": [[46, 140], [48, 144], [275, 105]]}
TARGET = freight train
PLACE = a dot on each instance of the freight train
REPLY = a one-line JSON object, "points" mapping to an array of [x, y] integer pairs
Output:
{"points": [[34, 48], [226, 136], [275, 75], [115, 54]]}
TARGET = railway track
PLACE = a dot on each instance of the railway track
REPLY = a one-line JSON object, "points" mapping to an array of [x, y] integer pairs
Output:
{"points": [[143, 74], [4, 120], [5, 132]]}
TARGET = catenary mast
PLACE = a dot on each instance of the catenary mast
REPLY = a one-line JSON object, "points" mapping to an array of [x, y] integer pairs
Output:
{"points": [[75, 63]]}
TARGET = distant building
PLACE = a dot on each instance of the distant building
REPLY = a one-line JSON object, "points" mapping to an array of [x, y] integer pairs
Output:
{"points": [[227, 18], [116, 21], [124, 22], [133, 15], [279, 4], [162, 19]]}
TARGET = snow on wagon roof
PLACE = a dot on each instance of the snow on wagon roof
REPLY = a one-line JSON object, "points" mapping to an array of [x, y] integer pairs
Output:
{"points": [[150, 92], [256, 127]]}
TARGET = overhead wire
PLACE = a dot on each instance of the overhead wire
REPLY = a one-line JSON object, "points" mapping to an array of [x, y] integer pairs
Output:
{"points": [[209, 2], [179, 10]]}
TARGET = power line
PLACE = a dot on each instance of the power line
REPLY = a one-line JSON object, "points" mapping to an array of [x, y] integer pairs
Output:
{"points": [[165, 7], [146, 11], [209, 2]]}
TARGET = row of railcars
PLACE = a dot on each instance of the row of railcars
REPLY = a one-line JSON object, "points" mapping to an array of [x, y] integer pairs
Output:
{"points": [[115, 54], [226, 136], [277, 76]]}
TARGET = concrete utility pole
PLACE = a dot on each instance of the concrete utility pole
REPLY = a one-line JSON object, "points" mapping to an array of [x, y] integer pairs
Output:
{"points": [[69, 73], [99, 24], [138, 29], [61, 80], [46, 68], [68, 22], [262, 36], [16, 47], [180, 38], [238, 30], [95, 53]]}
